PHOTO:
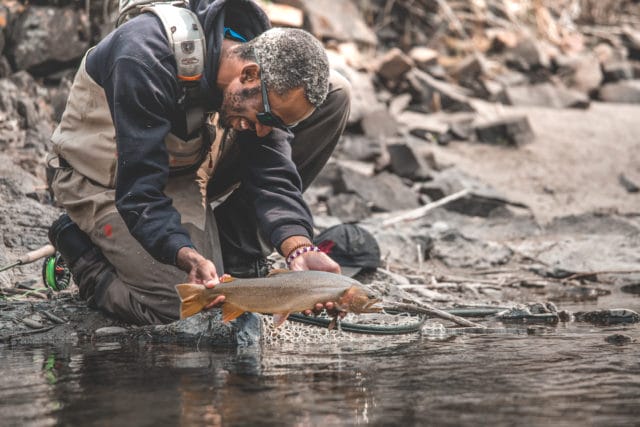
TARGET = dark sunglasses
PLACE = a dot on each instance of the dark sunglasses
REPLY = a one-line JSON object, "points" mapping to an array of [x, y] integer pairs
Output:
{"points": [[268, 118]]}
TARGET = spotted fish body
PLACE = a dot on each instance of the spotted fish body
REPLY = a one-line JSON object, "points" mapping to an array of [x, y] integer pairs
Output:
{"points": [[280, 293]]}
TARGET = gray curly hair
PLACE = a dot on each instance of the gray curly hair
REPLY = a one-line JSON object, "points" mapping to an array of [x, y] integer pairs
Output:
{"points": [[289, 59]]}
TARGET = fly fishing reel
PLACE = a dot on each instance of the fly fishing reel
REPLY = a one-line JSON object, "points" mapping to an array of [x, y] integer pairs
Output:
{"points": [[55, 273]]}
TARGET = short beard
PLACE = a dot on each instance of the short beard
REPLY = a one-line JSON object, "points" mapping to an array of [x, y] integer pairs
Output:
{"points": [[231, 104]]}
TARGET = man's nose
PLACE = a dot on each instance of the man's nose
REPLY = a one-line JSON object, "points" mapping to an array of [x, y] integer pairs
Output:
{"points": [[262, 130]]}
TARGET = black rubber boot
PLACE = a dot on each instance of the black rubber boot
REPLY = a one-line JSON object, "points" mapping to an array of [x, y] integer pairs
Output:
{"points": [[69, 240]]}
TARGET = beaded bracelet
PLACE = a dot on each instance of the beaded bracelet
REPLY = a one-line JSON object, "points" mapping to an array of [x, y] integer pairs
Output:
{"points": [[296, 253]]}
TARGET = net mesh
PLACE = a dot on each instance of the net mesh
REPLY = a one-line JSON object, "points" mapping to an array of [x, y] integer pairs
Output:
{"points": [[293, 331]]}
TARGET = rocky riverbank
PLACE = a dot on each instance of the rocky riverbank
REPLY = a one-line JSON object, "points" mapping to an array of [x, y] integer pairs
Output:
{"points": [[530, 108]]}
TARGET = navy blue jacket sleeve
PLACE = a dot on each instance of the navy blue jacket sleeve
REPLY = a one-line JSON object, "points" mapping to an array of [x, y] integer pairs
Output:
{"points": [[275, 186], [140, 85]]}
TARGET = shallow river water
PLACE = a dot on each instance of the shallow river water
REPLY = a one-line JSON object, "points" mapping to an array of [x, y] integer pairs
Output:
{"points": [[567, 375]]}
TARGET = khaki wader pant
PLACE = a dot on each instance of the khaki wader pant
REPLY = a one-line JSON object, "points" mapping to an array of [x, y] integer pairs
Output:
{"points": [[128, 282]]}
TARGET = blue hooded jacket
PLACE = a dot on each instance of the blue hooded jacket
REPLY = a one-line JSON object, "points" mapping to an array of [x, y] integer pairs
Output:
{"points": [[136, 67]]}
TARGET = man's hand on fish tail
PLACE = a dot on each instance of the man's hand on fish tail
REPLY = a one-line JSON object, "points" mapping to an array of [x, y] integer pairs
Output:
{"points": [[200, 269]]}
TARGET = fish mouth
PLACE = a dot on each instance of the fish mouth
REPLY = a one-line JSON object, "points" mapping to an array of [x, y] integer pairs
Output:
{"points": [[372, 306]]}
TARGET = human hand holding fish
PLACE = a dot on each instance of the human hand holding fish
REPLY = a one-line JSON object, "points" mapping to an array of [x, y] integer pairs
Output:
{"points": [[318, 261]]}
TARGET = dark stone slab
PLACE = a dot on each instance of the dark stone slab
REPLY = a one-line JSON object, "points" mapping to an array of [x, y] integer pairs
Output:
{"points": [[348, 207], [510, 131], [384, 192], [405, 162], [544, 95], [625, 91]]}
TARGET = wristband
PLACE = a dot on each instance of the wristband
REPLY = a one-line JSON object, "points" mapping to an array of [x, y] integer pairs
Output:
{"points": [[297, 252]]}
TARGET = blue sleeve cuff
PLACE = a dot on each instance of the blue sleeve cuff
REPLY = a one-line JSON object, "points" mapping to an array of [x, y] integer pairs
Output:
{"points": [[174, 244], [282, 233]]}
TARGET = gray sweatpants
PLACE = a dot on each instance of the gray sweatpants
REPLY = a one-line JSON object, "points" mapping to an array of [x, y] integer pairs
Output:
{"points": [[126, 281]]}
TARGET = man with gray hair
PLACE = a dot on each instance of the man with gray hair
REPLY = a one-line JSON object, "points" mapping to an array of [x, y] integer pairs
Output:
{"points": [[137, 131]]}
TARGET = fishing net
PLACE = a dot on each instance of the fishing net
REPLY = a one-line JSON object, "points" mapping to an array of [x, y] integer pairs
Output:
{"points": [[352, 328]]}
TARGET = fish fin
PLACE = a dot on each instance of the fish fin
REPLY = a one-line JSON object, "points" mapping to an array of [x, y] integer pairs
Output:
{"points": [[333, 323], [230, 312], [190, 301], [277, 271], [227, 279], [279, 318]]}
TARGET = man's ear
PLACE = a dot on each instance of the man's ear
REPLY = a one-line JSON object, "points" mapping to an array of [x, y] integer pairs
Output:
{"points": [[250, 72]]}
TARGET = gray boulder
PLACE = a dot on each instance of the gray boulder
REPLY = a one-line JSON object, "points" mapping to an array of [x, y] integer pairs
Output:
{"points": [[47, 34]]}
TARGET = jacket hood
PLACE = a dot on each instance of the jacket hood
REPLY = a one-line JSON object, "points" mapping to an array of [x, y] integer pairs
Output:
{"points": [[243, 16]]}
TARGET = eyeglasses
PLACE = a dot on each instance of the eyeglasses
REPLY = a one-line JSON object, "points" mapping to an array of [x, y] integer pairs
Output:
{"points": [[268, 118]]}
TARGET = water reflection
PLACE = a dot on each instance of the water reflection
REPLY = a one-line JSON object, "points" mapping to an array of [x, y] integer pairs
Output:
{"points": [[567, 375]]}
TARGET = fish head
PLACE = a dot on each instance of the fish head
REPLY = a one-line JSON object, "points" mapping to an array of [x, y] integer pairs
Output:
{"points": [[358, 299]]}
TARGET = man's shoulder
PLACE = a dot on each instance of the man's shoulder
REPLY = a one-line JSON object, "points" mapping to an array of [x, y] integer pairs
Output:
{"points": [[142, 39]]}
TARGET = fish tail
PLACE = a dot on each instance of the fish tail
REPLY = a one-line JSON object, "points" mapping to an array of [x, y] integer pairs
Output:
{"points": [[190, 301]]}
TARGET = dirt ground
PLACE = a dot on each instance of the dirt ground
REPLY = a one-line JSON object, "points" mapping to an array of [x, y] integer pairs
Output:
{"points": [[571, 167]]}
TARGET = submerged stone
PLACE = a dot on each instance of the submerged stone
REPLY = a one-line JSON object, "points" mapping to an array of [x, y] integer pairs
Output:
{"points": [[608, 317]]}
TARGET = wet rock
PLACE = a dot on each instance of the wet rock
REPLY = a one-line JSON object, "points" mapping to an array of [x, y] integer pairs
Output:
{"points": [[509, 131], [608, 317], [535, 313], [436, 95], [544, 95], [633, 288], [348, 207], [385, 192], [394, 64], [405, 162], [626, 91], [618, 339], [48, 35], [628, 185], [379, 124], [457, 250]]}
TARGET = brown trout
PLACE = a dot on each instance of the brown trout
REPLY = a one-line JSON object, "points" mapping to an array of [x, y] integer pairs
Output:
{"points": [[281, 293]]}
